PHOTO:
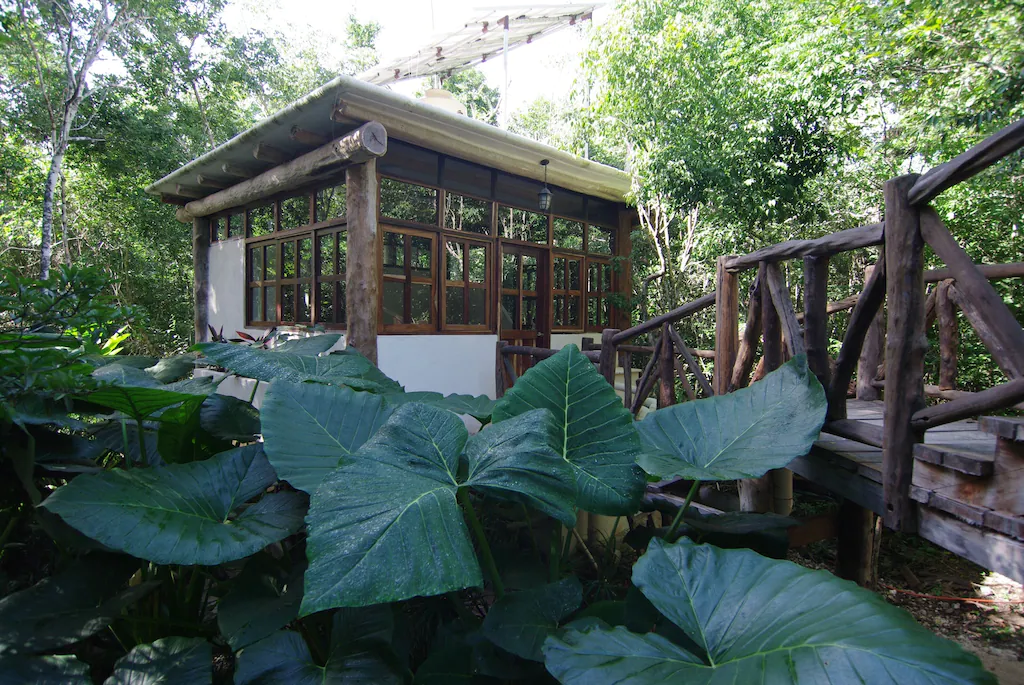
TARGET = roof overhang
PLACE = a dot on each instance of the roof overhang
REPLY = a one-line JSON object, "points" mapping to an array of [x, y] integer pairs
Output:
{"points": [[346, 102]]}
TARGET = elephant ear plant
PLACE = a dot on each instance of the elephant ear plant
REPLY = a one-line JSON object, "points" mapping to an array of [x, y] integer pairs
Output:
{"points": [[354, 533]]}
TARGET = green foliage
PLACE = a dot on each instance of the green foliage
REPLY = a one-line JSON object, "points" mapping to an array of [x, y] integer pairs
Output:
{"points": [[173, 544], [732, 605]]}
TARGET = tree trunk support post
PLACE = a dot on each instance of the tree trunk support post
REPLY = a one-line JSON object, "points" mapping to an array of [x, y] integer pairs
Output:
{"points": [[816, 317], [606, 363], [667, 390], [500, 382], [201, 277], [871, 351], [905, 347], [727, 323], [361, 280], [859, 532], [757, 494], [949, 335]]}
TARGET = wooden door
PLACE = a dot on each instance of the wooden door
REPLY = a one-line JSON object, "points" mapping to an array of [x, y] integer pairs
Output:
{"points": [[523, 304]]}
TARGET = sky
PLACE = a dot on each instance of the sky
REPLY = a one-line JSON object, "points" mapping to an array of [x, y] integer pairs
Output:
{"points": [[545, 68]]}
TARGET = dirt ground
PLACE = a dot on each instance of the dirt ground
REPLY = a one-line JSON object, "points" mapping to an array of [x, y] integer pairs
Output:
{"points": [[910, 566]]}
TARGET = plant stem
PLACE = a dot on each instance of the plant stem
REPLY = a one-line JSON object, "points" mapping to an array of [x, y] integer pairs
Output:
{"points": [[252, 396], [586, 551], [485, 548], [682, 510], [124, 438], [143, 457]]}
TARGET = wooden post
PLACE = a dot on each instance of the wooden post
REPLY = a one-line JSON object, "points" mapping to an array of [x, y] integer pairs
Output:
{"points": [[816, 317], [667, 390], [499, 370], [362, 280], [727, 323], [627, 378], [606, 364], [748, 344], [871, 351], [201, 277], [756, 494], [857, 548], [949, 336], [905, 347]]}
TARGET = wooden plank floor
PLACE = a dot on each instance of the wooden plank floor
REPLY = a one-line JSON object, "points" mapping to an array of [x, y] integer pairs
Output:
{"points": [[977, 517]]}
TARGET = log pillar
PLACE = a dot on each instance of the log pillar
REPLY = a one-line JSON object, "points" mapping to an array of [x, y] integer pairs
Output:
{"points": [[816, 317], [905, 347], [859, 532], [871, 352], [667, 391], [949, 336], [606, 362], [201, 277], [362, 278], [756, 494], [727, 324]]}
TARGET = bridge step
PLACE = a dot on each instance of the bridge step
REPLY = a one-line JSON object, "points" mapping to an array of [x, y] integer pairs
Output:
{"points": [[956, 457], [1002, 427]]}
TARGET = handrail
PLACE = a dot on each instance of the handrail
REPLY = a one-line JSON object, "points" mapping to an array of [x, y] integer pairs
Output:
{"points": [[826, 245], [993, 272], [543, 352], [656, 322]]}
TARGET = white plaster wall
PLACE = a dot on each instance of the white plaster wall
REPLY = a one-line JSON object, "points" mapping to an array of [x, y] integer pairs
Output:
{"points": [[443, 363], [227, 287], [560, 340]]}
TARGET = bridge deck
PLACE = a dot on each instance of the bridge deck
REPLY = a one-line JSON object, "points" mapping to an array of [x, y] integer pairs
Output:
{"points": [[967, 509]]}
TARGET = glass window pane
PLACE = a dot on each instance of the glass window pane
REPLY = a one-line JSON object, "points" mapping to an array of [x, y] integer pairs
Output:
{"points": [[271, 264], [327, 260], [599, 240], [477, 307], [261, 221], [288, 260], [408, 202], [394, 302], [421, 304], [519, 224], [294, 212], [477, 264], [606, 314], [255, 304], [559, 279], [305, 258], [606, 277], [455, 298], [572, 311], [326, 303], [529, 320], [287, 303], [529, 273], [330, 203], [216, 230], [567, 233], [234, 225], [463, 213], [255, 263], [574, 274], [510, 271], [592, 312], [394, 253], [508, 311], [342, 251], [453, 256], [593, 280], [304, 305], [270, 295], [341, 318], [421, 255], [558, 309]]}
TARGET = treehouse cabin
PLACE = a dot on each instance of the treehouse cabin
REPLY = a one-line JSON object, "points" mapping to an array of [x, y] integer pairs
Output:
{"points": [[424, 236]]}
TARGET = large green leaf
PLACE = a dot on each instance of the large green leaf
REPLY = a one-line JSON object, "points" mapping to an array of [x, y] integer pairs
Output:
{"points": [[385, 525], [229, 418], [480, 407], [519, 622], [174, 368], [743, 434], [138, 402], [183, 513], [259, 604], [310, 428], [347, 368], [314, 344], [44, 670], [594, 431], [759, 620], [168, 661], [515, 460], [70, 606], [356, 658]]}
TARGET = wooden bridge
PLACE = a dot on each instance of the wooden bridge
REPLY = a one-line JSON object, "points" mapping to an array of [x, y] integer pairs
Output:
{"points": [[949, 471]]}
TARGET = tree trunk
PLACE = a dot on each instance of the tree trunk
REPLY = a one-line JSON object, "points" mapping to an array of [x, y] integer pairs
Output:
{"points": [[49, 191]]}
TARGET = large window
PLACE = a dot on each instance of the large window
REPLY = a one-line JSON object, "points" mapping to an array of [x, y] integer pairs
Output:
{"points": [[407, 291], [520, 224], [466, 282], [332, 252], [464, 213], [408, 202], [599, 288], [566, 292]]}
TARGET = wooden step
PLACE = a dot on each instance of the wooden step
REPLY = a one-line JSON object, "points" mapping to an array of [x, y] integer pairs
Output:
{"points": [[960, 458], [1003, 427]]}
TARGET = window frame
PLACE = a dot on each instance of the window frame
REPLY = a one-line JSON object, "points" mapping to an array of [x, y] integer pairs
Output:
{"points": [[408, 279], [601, 293], [566, 292], [468, 241]]}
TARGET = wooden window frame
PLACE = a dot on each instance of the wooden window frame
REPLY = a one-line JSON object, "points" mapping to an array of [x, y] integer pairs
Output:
{"points": [[582, 249], [601, 293], [467, 241], [497, 206], [566, 292], [337, 231], [442, 202], [612, 240], [382, 218], [408, 279]]}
